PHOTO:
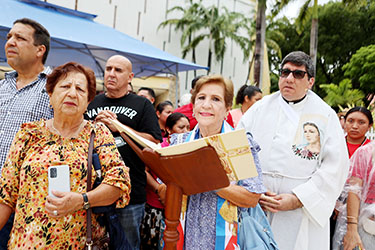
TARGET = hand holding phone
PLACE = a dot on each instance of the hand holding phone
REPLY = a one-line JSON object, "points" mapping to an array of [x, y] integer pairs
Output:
{"points": [[58, 179]]}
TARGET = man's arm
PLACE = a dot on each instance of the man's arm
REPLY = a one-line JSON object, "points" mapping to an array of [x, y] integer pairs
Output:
{"points": [[107, 116]]}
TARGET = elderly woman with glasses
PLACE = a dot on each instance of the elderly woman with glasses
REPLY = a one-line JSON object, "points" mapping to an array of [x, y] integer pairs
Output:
{"points": [[58, 220]]}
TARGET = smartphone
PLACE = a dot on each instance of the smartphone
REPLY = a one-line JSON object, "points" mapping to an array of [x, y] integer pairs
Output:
{"points": [[58, 179]]}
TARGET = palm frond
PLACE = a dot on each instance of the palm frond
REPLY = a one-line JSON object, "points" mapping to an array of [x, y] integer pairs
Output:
{"points": [[303, 17]]}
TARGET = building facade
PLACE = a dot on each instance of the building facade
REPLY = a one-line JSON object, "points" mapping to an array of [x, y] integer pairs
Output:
{"points": [[141, 18]]}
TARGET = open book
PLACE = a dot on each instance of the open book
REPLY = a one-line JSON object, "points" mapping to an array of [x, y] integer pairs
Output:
{"points": [[232, 148]]}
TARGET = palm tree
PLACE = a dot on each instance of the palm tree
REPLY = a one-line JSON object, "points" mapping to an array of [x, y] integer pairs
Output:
{"points": [[259, 41], [304, 16], [272, 34], [342, 94], [261, 34], [199, 23], [221, 26], [188, 24]]}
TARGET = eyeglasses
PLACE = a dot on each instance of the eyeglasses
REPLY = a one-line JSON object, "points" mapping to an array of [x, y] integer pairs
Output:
{"points": [[297, 74]]}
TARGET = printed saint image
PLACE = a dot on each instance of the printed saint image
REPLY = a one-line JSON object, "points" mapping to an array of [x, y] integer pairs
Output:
{"points": [[309, 137], [310, 149]]}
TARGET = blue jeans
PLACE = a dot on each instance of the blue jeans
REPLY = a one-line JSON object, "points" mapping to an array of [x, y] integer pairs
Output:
{"points": [[131, 218], [5, 232]]}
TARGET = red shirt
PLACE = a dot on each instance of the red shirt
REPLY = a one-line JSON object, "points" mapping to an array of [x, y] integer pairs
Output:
{"points": [[353, 147], [188, 111]]}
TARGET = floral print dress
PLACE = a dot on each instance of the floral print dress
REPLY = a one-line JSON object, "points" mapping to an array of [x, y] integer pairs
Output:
{"points": [[24, 184]]}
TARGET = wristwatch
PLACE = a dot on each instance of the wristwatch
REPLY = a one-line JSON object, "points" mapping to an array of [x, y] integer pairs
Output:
{"points": [[86, 203]]}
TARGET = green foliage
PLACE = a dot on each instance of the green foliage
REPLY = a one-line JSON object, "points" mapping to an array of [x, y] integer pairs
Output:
{"points": [[288, 42], [273, 35], [342, 94], [199, 23], [188, 24], [361, 68], [342, 31], [304, 17]]}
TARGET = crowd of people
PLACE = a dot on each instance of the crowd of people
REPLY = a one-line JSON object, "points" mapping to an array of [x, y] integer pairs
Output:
{"points": [[307, 193]]}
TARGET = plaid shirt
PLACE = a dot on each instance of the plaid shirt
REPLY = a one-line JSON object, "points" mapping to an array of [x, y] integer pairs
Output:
{"points": [[18, 106]]}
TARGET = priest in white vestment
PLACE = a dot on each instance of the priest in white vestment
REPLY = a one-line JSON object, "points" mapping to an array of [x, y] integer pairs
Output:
{"points": [[304, 158]]}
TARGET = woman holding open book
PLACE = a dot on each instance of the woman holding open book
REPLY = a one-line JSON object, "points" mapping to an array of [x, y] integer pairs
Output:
{"points": [[207, 215]]}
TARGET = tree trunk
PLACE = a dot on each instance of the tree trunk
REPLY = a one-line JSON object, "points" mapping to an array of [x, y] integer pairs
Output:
{"points": [[221, 66], [314, 41], [210, 43], [249, 69], [314, 35], [193, 56], [209, 61], [259, 42]]}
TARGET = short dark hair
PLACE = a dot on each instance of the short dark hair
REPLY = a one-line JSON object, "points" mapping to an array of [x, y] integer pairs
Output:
{"points": [[300, 58], [150, 91], [246, 90], [363, 110], [63, 70], [173, 119], [194, 81], [160, 107], [41, 35]]}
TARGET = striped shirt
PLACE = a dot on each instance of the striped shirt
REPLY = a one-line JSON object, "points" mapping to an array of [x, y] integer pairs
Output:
{"points": [[18, 106]]}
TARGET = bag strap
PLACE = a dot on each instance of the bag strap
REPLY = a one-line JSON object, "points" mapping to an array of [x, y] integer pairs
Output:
{"points": [[89, 187]]}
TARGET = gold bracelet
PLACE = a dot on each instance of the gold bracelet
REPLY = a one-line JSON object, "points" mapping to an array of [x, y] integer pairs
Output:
{"points": [[351, 222]]}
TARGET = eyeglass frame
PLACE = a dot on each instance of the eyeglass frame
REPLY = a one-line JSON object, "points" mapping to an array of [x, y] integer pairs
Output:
{"points": [[293, 73]]}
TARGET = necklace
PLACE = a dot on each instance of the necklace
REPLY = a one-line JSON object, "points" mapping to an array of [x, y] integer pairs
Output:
{"points": [[75, 132], [364, 140]]}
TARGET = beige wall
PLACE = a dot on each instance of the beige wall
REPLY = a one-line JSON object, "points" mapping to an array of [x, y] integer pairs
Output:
{"points": [[164, 87]]}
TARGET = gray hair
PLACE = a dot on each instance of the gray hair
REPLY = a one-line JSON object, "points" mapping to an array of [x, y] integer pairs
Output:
{"points": [[300, 58]]}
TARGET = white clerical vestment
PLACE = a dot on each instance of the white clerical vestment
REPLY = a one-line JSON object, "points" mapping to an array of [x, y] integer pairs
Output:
{"points": [[303, 151]]}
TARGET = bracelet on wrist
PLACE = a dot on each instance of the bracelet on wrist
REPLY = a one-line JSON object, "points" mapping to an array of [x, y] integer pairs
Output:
{"points": [[351, 222]]}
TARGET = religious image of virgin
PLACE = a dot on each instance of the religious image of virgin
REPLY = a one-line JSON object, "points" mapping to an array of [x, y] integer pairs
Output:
{"points": [[310, 148]]}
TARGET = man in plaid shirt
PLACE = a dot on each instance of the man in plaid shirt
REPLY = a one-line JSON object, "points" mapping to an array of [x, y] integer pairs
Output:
{"points": [[23, 97]]}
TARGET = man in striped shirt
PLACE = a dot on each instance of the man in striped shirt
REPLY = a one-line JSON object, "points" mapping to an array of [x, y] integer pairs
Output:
{"points": [[23, 97]]}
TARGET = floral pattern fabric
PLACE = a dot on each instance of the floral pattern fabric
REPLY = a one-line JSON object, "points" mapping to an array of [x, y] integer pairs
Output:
{"points": [[304, 153], [24, 184], [200, 227]]}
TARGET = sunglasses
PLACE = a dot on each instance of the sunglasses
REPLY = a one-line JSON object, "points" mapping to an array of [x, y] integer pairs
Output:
{"points": [[297, 74]]}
